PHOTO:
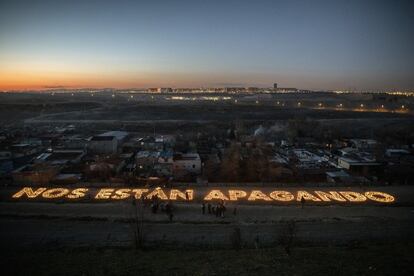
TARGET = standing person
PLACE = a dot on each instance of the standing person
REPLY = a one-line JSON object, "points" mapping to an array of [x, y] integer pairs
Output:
{"points": [[168, 208], [209, 208], [171, 216], [235, 211], [203, 208], [302, 202]]}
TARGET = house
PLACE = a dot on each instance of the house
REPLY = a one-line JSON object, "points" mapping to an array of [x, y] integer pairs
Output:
{"points": [[60, 157], [338, 177], [359, 164], [37, 174], [189, 163]]}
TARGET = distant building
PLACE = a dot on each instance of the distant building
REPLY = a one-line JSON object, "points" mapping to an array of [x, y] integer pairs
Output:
{"points": [[358, 165], [34, 174], [23, 149], [286, 89], [283, 89], [119, 135], [73, 142], [108, 142], [252, 89], [60, 157], [167, 90], [234, 89], [103, 145], [152, 90], [338, 177], [145, 160], [396, 153], [6, 165], [189, 163], [363, 144]]}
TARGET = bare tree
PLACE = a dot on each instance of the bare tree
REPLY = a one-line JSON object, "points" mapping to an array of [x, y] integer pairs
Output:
{"points": [[287, 236], [139, 238]]}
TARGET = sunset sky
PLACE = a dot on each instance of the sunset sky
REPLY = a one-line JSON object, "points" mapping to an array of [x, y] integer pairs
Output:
{"points": [[349, 44]]}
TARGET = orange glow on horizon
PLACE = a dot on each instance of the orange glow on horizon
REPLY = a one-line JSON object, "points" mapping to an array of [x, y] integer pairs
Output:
{"points": [[43, 81]]}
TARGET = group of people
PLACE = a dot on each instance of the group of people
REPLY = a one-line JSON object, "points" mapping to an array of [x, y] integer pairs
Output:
{"points": [[156, 204], [217, 209]]}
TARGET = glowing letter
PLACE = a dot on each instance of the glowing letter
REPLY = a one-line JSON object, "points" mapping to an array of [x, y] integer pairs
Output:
{"points": [[281, 196], [215, 194], [157, 192], [29, 192], [139, 192], [55, 193], [307, 196], [104, 193], [236, 194], [379, 196], [353, 196], [77, 193], [330, 195], [256, 194], [121, 194], [174, 193]]}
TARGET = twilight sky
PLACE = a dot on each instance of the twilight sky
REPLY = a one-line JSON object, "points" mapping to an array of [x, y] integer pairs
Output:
{"points": [[318, 44]]}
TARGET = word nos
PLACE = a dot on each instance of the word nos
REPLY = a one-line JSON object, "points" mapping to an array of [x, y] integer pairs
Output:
{"points": [[116, 194], [189, 194]]}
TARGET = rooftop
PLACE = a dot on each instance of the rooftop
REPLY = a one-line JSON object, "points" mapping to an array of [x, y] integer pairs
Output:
{"points": [[103, 138], [119, 135]]}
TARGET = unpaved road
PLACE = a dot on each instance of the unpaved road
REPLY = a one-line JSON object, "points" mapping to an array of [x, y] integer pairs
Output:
{"points": [[113, 224]]}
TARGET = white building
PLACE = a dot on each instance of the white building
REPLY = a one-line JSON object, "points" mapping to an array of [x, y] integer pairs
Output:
{"points": [[187, 163]]}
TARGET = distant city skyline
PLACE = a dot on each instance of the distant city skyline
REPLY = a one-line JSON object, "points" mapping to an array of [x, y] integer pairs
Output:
{"points": [[321, 44]]}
